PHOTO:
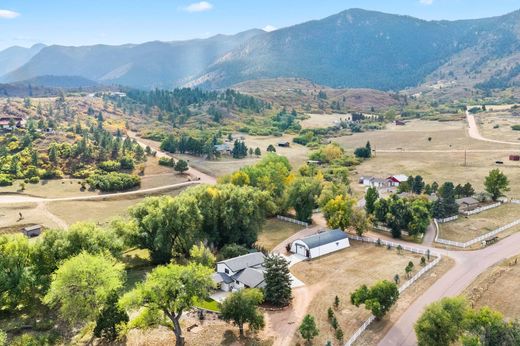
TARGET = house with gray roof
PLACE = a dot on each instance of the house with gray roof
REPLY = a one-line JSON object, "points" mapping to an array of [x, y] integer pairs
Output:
{"points": [[467, 203], [321, 243], [240, 272]]}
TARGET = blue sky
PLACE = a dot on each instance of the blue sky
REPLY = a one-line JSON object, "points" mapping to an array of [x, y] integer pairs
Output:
{"points": [[83, 22]]}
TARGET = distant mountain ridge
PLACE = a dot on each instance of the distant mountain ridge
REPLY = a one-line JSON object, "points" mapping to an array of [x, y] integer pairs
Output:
{"points": [[352, 49], [147, 65], [15, 57]]}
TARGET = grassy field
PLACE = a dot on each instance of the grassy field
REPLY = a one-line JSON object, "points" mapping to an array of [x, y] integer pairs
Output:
{"points": [[100, 212], [321, 120], [467, 228], [340, 274], [276, 231], [497, 125], [296, 154], [32, 214], [498, 288], [441, 159]]}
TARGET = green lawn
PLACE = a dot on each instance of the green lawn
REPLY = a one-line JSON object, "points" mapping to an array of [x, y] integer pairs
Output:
{"points": [[208, 304], [276, 231]]}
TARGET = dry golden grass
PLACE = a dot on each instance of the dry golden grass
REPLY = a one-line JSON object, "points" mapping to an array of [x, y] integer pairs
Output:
{"points": [[504, 120], [498, 288], [441, 159], [296, 154], [340, 274], [276, 231], [10, 219], [467, 228]]}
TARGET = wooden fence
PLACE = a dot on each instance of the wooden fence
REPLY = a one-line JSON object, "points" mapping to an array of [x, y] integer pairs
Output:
{"points": [[447, 219], [407, 284], [288, 219], [481, 209], [478, 239]]}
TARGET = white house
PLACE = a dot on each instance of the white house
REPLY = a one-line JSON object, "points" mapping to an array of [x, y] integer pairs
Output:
{"points": [[375, 182], [320, 244], [240, 272]]}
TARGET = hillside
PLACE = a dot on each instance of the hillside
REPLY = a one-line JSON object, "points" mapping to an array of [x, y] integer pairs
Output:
{"points": [[358, 48], [147, 65], [303, 95]]}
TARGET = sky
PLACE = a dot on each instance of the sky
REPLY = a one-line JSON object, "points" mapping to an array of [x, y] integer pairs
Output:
{"points": [[86, 22]]}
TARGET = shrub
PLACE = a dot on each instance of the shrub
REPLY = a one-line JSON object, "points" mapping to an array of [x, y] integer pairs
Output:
{"points": [[113, 181], [110, 166], [52, 174], [516, 127], [34, 180], [127, 162], [6, 180], [168, 162]]}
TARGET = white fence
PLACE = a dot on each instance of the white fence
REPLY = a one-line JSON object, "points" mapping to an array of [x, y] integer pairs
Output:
{"points": [[515, 201], [481, 209], [447, 219], [478, 239], [288, 219], [407, 284]]}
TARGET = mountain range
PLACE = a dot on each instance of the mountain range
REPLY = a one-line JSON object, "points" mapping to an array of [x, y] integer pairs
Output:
{"points": [[354, 48]]}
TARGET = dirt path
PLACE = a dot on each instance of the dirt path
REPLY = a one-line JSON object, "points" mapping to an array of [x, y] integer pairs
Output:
{"points": [[42, 208], [8, 199], [474, 132], [283, 325], [204, 178]]}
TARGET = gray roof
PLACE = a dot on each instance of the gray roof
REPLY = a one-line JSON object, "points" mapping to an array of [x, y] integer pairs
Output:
{"points": [[251, 277], [324, 238], [244, 261], [221, 277], [32, 228], [467, 200]]}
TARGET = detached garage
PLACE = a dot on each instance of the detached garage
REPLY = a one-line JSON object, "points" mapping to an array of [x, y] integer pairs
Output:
{"points": [[320, 244]]}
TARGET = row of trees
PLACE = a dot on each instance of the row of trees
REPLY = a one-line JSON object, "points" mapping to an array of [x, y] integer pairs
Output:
{"points": [[452, 320]]}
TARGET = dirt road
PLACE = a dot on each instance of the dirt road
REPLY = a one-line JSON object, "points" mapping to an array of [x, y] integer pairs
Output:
{"points": [[474, 132]]}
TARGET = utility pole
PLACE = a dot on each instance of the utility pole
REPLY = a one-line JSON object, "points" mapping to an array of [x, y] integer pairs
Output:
{"points": [[465, 158]]}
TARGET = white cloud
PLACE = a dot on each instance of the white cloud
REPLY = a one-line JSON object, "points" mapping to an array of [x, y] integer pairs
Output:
{"points": [[198, 7], [426, 2], [269, 28], [6, 14]]}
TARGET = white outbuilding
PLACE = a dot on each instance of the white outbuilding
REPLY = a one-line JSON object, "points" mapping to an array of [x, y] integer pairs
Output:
{"points": [[320, 244]]}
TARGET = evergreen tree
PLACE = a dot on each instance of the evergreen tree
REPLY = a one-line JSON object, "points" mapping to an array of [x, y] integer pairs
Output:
{"points": [[308, 328], [277, 281]]}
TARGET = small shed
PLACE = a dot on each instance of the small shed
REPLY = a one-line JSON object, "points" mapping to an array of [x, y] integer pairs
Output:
{"points": [[320, 244], [467, 203], [400, 123], [32, 231], [284, 144]]}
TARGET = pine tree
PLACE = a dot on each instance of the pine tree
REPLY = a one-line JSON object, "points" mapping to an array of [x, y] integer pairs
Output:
{"points": [[277, 281]]}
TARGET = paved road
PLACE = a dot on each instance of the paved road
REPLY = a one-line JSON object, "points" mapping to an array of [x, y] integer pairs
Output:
{"points": [[468, 265]]}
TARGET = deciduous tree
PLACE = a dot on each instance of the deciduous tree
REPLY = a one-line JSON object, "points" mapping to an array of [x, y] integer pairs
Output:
{"points": [[242, 307]]}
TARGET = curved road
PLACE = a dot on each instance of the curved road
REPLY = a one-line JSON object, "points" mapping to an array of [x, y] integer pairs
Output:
{"points": [[468, 265], [197, 178], [474, 132]]}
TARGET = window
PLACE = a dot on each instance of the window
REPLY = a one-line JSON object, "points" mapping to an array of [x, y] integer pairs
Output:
{"points": [[226, 271]]}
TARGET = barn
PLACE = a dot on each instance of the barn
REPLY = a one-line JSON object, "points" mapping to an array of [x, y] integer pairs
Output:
{"points": [[320, 244]]}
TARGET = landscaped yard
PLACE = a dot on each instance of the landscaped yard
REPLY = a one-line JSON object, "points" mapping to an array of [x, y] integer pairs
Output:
{"points": [[276, 231], [498, 288], [340, 274], [467, 228]]}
